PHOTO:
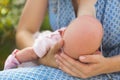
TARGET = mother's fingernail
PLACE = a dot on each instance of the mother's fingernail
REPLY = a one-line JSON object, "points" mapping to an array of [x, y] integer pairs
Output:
{"points": [[61, 54], [82, 57], [56, 61], [59, 67]]}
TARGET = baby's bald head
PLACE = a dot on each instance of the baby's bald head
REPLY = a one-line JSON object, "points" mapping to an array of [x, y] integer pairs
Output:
{"points": [[83, 36]]}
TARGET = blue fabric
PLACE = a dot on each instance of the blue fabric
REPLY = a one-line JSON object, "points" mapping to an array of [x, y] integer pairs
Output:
{"points": [[108, 12], [35, 73], [61, 14]]}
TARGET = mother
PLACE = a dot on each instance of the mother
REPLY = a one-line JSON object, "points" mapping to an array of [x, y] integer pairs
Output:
{"points": [[61, 12]]}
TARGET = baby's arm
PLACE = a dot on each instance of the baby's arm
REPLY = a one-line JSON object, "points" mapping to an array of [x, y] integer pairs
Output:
{"points": [[39, 49], [26, 55], [19, 56], [41, 46]]}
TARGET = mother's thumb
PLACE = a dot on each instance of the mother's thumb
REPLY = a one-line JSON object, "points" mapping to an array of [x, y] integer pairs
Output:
{"points": [[89, 59], [56, 47]]}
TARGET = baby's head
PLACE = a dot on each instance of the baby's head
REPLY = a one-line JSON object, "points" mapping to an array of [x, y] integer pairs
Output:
{"points": [[82, 36]]}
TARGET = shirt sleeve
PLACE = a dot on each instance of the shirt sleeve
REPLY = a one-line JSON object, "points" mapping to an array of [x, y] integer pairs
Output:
{"points": [[44, 42]]}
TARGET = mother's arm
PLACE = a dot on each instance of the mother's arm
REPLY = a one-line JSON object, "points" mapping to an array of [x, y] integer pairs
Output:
{"points": [[30, 22], [96, 64], [86, 7]]}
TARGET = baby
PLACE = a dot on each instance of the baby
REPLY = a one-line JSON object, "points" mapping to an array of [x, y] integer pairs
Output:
{"points": [[82, 36]]}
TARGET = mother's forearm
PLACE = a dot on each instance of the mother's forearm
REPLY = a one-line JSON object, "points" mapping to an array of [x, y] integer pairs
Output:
{"points": [[113, 64], [24, 39], [86, 7]]}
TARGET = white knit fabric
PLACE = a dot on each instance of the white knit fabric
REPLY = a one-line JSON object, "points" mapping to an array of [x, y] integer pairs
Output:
{"points": [[45, 41]]}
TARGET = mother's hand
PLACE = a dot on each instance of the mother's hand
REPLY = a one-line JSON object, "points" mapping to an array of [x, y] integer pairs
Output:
{"points": [[49, 59], [86, 66]]}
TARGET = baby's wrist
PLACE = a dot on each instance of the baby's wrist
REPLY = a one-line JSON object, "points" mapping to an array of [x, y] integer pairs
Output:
{"points": [[15, 53], [34, 54]]}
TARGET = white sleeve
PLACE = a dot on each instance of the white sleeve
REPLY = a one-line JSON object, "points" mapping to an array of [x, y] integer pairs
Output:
{"points": [[41, 46], [44, 42]]}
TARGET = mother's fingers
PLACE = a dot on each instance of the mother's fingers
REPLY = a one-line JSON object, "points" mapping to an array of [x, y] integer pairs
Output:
{"points": [[96, 58], [54, 49], [91, 65], [71, 61], [68, 65], [66, 69]]}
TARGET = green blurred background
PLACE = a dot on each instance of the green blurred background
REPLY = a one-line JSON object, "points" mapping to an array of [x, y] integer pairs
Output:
{"points": [[10, 11]]}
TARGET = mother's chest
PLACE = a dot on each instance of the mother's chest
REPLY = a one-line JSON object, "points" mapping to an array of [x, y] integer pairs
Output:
{"points": [[108, 12]]}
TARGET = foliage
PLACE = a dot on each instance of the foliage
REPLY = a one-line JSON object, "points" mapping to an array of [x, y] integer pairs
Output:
{"points": [[10, 11], [9, 15]]}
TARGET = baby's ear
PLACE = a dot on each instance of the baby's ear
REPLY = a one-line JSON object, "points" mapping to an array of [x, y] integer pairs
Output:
{"points": [[62, 32]]}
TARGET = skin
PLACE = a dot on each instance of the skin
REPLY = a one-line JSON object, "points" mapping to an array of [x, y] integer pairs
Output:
{"points": [[30, 21], [86, 7], [94, 65], [29, 24], [26, 54], [75, 43], [82, 36], [94, 62]]}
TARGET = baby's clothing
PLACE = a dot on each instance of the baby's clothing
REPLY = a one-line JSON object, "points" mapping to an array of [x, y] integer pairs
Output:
{"points": [[11, 61], [43, 42]]}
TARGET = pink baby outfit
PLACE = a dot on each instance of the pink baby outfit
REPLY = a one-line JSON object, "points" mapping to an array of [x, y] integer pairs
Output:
{"points": [[43, 42]]}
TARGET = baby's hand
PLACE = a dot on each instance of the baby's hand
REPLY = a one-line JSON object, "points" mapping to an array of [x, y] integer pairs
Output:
{"points": [[11, 61], [49, 58]]}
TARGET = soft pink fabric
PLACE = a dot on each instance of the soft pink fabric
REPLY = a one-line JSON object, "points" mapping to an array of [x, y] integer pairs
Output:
{"points": [[11, 61], [45, 41]]}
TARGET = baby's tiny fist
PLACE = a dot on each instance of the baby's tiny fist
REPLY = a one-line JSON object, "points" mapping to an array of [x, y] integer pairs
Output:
{"points": [[11, 61]]}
